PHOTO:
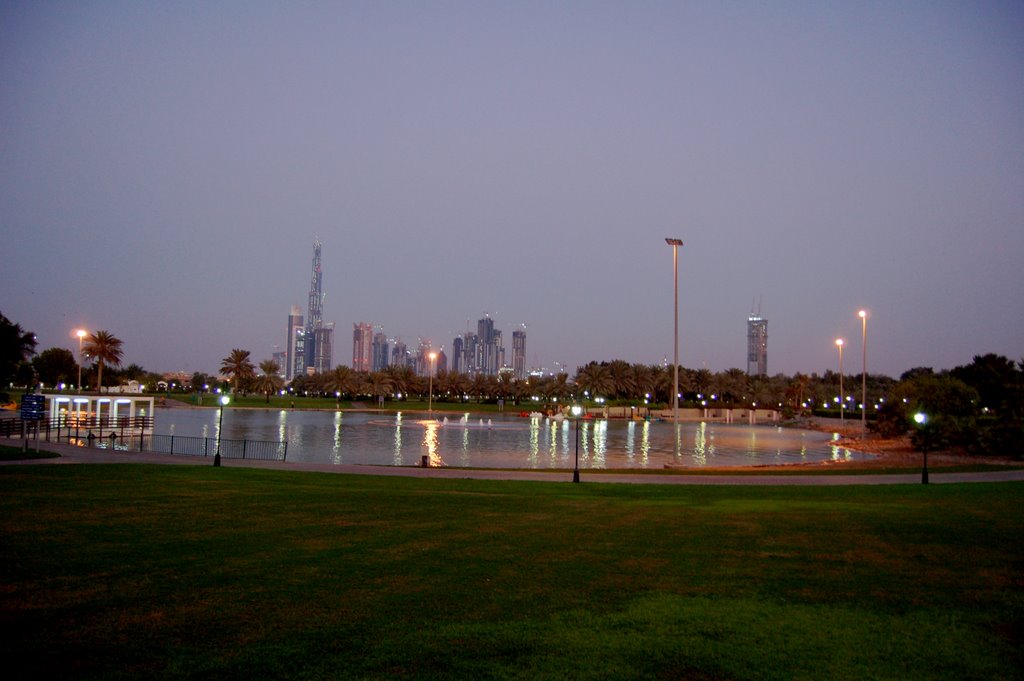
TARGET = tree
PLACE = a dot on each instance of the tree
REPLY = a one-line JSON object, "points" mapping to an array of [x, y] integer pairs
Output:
{"points": [[595, 379], [238, 367], [341, 381], [106, 348], [270, 382], [55, 366], [378, 384], [994, 377], [16, 346]]}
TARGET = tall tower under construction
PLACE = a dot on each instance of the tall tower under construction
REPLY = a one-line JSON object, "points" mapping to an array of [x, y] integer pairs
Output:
{"points": [[757, 345], [319, 336]]}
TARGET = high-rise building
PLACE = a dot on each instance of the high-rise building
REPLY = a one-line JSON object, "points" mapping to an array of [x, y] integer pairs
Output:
{"points": [[489, 352], [458, 360], [319, 337], [295, 359], [399, 354], [323, 345], [362, 346], [281, 360], [379, 352], [757, 345], [519, 353]]}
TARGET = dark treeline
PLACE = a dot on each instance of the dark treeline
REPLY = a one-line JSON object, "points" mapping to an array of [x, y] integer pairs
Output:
{"points": [[978, 406]]}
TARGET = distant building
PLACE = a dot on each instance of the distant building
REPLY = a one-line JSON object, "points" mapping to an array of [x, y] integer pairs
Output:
{"points": [[319, 337], [379, 352], [399, 355], [362, 346], [295, 358], [519, 354], [281, 360], [757, 345], [323, 349]]}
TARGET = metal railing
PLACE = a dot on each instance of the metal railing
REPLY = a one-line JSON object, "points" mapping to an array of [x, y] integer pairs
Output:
{"points": [[129, 434]]}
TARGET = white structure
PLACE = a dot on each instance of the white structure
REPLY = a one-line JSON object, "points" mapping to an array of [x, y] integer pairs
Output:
{"points": [[96, 411]]}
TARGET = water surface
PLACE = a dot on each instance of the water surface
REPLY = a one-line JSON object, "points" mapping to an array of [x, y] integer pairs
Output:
{"points": [[497, 441]]}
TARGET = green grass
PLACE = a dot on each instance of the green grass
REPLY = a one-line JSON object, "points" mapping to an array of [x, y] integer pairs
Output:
{"points": [[8, 453], [172, 572]]}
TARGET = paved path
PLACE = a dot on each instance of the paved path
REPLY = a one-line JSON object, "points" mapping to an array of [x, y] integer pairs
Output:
{"points": [[80, 455]]}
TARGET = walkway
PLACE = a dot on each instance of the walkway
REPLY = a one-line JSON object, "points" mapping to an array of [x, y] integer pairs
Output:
{"points": [[80, 455]]}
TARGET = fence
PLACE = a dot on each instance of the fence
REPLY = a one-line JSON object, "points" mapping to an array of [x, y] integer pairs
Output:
{"points": [[129, 434]]}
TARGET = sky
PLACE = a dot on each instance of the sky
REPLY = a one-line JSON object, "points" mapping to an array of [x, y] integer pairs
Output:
{"points": [[166, 167]]}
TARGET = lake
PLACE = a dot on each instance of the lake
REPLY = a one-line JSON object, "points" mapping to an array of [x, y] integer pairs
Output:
{"points": [[499, 441]]}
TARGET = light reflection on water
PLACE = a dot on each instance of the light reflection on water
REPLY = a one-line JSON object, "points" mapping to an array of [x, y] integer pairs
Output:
{"points": [[507, 442]]}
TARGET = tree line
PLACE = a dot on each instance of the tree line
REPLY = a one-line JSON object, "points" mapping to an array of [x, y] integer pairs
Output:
{"points": [[978, 406]]}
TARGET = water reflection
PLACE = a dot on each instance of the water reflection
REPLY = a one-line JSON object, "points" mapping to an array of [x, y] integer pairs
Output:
{"points": [[336, 450], [430, 443], [700, 445], [506, 441], [397, 459]]}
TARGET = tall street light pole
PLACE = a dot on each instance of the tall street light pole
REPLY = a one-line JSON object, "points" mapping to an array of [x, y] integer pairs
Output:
{"points": [[839, 344], [81, 334], [576, 411], [675, 244], [863, 314], [224, 399], [430, 397]]}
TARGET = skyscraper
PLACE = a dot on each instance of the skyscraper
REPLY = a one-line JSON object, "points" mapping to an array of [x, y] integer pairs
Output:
{"points": [[488, 347], [362, 346], [757, 345], [319, 337], [295, 360], [519, 353], [399, 354], [379, 352]]}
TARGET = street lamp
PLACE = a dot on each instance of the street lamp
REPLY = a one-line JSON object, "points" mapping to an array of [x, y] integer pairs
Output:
{"points": [[576, 411], [224, 399], [863, 314], [430, 397], [920, 419], [675, 244], [81, 334], [839, 344]]}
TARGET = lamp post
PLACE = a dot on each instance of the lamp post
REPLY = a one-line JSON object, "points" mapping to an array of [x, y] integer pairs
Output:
{"points": [[81, 334], [430, 396], [839, 344], [675, 244], [921, 419], [576, 411], [863, 314], [224, 399]]}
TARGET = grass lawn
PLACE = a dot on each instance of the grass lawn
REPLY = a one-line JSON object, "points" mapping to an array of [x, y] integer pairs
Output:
{"points": [[15, 453], [177, 571]]}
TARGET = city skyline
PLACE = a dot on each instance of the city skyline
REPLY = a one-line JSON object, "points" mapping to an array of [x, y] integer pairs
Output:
{"points": [[163, 171]]}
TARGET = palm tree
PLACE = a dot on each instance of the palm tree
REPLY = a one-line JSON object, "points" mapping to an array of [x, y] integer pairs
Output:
{"points": [[341, 381], [238, 367], [595, 379], [379, 385], [270, 382], [623, 379], [106, 348], [402, 378]]}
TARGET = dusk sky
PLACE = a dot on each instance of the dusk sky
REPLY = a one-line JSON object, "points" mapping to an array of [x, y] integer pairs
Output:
{"points": [[166, 166]]}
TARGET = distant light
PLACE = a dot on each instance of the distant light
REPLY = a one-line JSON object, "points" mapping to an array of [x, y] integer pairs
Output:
{"points": [[862, 314], [577, 410], [839, 342], [921, 418], [224, 399]]}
